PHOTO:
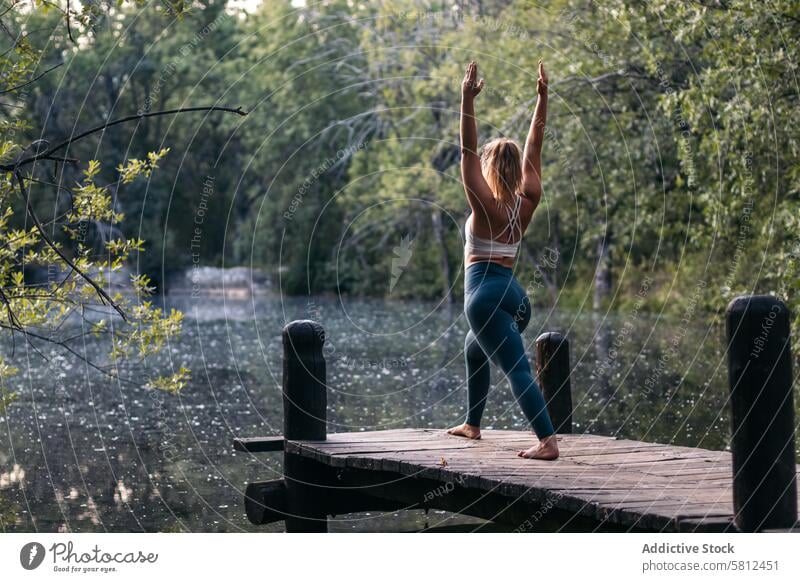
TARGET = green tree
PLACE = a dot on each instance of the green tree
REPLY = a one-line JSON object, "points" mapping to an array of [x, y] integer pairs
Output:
{"points": [[60, 210]]}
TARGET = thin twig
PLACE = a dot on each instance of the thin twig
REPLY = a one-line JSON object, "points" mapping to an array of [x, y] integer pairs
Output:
{"points": [[69, 26], [30, 334], [26, 83], [49, 152]]}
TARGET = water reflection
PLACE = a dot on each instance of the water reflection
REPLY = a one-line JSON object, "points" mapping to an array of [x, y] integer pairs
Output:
{"points": [[82, 453]]}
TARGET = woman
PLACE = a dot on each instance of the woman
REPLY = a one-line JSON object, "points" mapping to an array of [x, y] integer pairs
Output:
{"points": [[503, 190]]}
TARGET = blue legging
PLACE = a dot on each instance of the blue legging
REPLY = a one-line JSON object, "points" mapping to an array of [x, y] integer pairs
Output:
{"points": [[497, 310]]}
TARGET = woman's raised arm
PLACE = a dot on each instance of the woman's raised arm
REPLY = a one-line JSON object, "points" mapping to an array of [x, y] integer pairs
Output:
{"points": [[475, 186], [532, 157]]}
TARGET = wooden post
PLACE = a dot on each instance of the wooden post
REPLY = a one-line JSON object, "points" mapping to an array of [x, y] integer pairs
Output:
{"points": [[552, 369], [760, 379], [304, 418]]}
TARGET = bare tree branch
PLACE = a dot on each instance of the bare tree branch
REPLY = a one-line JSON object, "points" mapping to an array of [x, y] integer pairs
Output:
{"points": [[30, 334], [26, 83], [48, 154], [69, 25]]}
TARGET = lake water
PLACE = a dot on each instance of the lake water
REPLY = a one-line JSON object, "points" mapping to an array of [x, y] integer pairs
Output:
{"points": [[79, 452]]}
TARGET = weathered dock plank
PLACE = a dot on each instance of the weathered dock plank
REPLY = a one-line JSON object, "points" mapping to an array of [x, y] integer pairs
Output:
{"points": [[629, 483]]}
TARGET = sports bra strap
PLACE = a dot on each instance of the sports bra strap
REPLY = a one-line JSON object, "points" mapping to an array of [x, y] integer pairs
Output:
{"points": [[514, 217]]}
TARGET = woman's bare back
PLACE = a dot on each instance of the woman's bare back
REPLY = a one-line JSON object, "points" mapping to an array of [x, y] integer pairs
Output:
{"points": [[493, 225]]}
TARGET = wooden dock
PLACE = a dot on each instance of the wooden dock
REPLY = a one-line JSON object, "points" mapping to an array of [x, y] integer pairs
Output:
{"points": [[599, 483]]}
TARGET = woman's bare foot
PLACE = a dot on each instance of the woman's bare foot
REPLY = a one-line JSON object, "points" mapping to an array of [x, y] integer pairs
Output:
{"points": [[546, 450], [466, 430]]}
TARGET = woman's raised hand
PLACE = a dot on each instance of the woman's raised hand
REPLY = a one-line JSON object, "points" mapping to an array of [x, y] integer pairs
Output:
{"points": [[470, 87], [541, 84]]}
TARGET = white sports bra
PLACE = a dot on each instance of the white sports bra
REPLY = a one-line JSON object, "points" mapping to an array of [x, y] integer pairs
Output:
{"points": [[493, 249]]}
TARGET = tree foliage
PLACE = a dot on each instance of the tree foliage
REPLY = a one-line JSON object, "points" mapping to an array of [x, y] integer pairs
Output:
{"points": [[63, 235]]}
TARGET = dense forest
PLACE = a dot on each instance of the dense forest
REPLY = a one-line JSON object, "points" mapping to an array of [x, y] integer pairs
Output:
{"points": [[671, 176]]}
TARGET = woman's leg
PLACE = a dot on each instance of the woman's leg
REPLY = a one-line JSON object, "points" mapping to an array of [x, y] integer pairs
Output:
{"points": [[478, 379], [493, 315]]}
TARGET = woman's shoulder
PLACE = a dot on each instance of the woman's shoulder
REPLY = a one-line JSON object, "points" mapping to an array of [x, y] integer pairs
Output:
{"points": [[527, 203]]}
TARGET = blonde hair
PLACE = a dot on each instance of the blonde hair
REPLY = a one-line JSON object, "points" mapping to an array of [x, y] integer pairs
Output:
{"points": [[501, 164]]}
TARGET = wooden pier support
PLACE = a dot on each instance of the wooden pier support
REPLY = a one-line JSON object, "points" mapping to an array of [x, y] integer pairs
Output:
{"points": [[305, 419], [265, 501], [552, 369], [762, 445]]}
